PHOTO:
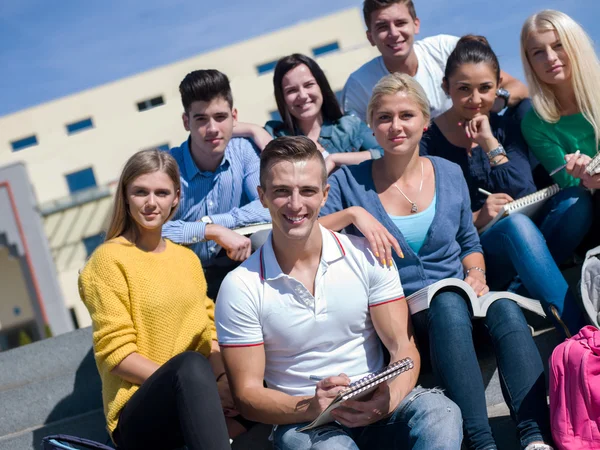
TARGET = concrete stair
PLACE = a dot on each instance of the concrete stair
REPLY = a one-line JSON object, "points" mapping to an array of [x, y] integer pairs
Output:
{"points": [[52, 386]]}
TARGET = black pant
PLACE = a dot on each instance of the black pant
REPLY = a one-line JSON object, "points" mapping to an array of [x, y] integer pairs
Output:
{"points": [[178, 405]]}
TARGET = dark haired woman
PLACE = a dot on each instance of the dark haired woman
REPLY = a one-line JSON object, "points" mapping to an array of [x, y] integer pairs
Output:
{"points": [[308, 106], [494, 158]]}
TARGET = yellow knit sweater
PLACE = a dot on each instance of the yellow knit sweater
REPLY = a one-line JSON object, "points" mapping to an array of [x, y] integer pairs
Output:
{"points": [[154, 304]]}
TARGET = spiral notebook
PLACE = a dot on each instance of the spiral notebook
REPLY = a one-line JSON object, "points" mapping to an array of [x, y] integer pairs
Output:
{"points": [[528, 205], [361, 388], [593, 167]]}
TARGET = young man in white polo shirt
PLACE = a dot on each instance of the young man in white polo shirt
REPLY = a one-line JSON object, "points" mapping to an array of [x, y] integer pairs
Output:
{"points": [[310, 304], [391, 27]]}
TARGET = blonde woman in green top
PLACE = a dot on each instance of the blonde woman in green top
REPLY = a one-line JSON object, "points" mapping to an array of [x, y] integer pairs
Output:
{"points": [[563, 74]]}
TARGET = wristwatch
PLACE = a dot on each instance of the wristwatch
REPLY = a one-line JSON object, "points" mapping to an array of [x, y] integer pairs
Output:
{"points": [[496, 152], [503, 94], [207, 220]]}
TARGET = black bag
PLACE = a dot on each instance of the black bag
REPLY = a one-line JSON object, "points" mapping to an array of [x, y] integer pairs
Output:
{"points": [[66, 442]]}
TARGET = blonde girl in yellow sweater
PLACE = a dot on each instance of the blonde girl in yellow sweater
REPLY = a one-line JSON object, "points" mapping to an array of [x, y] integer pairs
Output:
{"points": [[155, 342]]}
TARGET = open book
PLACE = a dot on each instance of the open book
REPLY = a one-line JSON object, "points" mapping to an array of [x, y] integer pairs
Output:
{"points": [[361, 388], [421, 299], [251, 229], [528, 205], [593, 166]]}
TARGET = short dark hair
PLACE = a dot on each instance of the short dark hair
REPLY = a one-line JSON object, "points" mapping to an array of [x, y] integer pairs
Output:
{"points": [[204, 86], [370, 6], [330, 110], [292, 149], [472, 49]]}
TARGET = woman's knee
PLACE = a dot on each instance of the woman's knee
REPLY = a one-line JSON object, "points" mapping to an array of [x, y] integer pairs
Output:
{"points": [[191, 366], [506, 314], [449, 309]]}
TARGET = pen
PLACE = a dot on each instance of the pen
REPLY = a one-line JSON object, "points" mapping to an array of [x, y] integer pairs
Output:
{"points": [[483, 191], [558, 169], [316, 378]]}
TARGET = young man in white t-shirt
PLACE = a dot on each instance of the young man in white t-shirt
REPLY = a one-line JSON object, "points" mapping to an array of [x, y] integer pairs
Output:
{"points": [[391, 27], [313, 305]]}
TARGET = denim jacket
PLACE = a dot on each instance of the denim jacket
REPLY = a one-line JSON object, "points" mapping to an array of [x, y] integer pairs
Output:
{"points": [[347, 134]]}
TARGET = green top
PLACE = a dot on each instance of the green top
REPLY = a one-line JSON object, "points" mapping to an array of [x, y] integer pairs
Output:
{"points": [[550, 142]]}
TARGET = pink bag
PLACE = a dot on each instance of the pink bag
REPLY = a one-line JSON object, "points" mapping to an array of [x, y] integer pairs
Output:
{"points": [[575, 391]]}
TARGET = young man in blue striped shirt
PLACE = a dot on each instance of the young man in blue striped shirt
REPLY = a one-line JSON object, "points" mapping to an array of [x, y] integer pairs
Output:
{"points": [[219, 176]]}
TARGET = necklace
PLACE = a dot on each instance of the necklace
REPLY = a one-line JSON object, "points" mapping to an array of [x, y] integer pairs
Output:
{"points": [[414, 208]]}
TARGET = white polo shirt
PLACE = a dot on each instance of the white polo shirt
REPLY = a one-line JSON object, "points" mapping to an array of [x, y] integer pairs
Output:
{"points": [[432, 54], [323, 335]]}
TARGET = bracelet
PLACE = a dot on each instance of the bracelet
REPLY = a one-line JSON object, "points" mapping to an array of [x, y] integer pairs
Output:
{"points": [[221, 375], [479, 269], [495, 162], [497, 151]]}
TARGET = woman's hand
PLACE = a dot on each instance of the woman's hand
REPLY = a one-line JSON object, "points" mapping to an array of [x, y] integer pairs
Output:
{"points": [[476, 280], [490, 209], [478, 129], [591, 181], [226, 398], [380, 239], [576, 164]]}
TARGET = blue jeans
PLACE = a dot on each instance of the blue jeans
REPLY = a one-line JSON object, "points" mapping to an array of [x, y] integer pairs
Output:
{"points": [[515, 246], [424, 420], [448, 327]]}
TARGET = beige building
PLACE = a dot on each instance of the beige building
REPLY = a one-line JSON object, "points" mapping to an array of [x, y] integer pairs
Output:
{"points": [[74, 147]]}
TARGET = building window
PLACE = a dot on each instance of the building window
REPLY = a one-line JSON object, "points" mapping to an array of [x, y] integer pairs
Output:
{"points": [[21, 144], [275, 115], [80, 180], [151, 103], [266, 67], [80, 125], [92, 242], [327, 48]]}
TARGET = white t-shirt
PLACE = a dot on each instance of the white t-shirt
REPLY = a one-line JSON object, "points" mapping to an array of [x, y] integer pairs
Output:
{"points": [[432, 54], [303, 335]]}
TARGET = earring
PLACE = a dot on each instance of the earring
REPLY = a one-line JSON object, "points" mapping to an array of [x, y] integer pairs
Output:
{"points": [[425, 129]]}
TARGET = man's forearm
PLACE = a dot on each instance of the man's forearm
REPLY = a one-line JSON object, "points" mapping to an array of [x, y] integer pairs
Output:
{"points": [[401, 386], [518, 91], [273, 407]]}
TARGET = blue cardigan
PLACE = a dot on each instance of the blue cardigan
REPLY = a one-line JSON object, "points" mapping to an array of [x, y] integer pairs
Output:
{"points": [[450, 238], [513, 178]]}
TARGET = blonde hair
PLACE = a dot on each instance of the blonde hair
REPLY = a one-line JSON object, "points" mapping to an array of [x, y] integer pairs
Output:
{"points": [[393, 84], [141, 163], [584, 63]]}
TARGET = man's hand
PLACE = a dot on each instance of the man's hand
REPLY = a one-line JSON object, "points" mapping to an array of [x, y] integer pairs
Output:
{"points": [[491, 208], [325, 392], [357, 413], [238, 247]]}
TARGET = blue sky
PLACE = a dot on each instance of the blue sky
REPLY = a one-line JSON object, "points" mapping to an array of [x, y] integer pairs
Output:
{"points": [[52, 49]]}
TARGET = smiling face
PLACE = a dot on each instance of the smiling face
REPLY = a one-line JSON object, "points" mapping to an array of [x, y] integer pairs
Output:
{"points": [[150, 199], [548, 58], [301, 93], [398, 123], [392, 30], [294, 193], [210, 125], [472, 88]]}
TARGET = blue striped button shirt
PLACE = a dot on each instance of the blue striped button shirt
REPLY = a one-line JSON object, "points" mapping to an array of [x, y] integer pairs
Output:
{"points": [[228, 196]]}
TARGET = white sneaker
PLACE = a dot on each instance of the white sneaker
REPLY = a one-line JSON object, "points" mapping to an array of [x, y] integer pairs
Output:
{"points": [[538, 447]]}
